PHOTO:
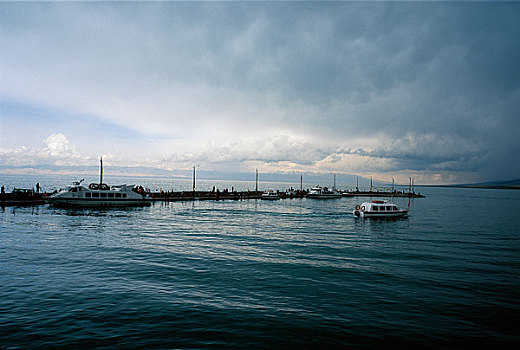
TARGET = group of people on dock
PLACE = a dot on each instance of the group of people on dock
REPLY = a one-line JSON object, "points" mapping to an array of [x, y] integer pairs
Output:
{"points": [[38, 189]]}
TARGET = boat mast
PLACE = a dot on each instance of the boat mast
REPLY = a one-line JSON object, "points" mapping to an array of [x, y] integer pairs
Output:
{"points": [[334, 182], [256, 187], [101, 171], [357, 183], [301, 182], [370, 183]]}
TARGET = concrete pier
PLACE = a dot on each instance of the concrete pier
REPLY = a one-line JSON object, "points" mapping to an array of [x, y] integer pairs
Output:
{"points": [[217, 195], [22, 197], [382, 194], [28, 198]]}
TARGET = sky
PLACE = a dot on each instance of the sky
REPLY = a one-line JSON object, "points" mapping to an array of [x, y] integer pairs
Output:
{"points": [[376, 89]]}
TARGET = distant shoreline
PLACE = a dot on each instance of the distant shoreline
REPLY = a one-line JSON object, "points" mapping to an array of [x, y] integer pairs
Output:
{"points": [[267, 178], [484, 187]]}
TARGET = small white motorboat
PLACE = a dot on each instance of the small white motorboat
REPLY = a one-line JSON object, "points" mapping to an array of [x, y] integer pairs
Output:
{"points": [[270, 195], [379, 209], [323, 193]]}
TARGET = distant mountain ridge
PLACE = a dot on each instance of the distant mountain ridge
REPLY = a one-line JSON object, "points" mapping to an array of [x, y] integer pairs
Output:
{"points": [[324, 178], [508, 184], [318, 178]]}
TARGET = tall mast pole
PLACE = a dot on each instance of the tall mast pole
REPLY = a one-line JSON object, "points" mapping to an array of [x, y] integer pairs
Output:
{"points": [[357, 183], [370, 183], [256, 186], [334, 182], [301, 182], [194, 178], [101, 171]]}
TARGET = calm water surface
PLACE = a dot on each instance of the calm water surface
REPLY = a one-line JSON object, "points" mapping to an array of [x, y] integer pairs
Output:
{"points": [[295, 273]]}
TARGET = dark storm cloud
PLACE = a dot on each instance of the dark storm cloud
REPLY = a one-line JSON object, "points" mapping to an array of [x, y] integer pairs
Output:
{"points": [[430, 86]]}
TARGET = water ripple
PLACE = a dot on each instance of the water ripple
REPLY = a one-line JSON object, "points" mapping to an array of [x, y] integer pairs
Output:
{"points": [[295, 273]]}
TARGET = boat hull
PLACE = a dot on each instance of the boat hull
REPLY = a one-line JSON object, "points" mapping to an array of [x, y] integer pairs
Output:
{"points": [[378, 215], [324, 196], [87, 202]]}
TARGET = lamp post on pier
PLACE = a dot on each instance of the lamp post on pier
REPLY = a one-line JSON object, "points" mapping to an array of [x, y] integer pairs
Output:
{"points": [[256, 183], [195, 166]]}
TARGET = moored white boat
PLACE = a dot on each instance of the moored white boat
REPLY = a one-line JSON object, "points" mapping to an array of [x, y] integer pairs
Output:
{"points": [[323, 193], [378, 209], [100, 195], [347, 194], [270, 195]]}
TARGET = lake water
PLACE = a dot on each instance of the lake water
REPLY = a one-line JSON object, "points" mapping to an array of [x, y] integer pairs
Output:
{"points": [[295, 273]]}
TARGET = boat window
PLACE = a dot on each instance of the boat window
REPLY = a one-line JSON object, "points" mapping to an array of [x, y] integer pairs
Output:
{"points": [[103, 195], [110, 195], [118, 195], [389, 207], [124, 195], [375, 208], [95, 195], [74, 189], [88, 194]]}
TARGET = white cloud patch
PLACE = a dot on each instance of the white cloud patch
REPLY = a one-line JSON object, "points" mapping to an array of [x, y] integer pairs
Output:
{"points": [[57, 151], [57, 144]]}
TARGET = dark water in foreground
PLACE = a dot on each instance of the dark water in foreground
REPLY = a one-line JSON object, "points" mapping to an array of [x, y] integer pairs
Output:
{"points": [[288, 274]]}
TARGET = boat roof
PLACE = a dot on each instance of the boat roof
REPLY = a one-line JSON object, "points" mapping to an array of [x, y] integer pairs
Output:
{"points": [[381, 202], [112, 188]]}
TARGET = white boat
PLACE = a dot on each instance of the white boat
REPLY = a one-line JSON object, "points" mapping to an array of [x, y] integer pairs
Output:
{"points": [[347, 194], [100, 195], [270, 195], [379, 209], [323, 193]]}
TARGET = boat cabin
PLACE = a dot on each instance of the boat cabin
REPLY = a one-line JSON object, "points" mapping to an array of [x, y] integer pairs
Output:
{"points": [[379, 206], [97, 191]]}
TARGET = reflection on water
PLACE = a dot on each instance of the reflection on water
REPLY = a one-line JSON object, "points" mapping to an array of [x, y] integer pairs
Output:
{"points": [[95, 212]]}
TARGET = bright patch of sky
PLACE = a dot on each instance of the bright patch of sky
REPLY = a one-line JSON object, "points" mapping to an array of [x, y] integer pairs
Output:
{"points": [[390, 90]]}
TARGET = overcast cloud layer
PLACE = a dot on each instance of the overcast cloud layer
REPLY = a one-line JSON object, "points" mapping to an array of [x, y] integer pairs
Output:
{"points": [[430, 90]]}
